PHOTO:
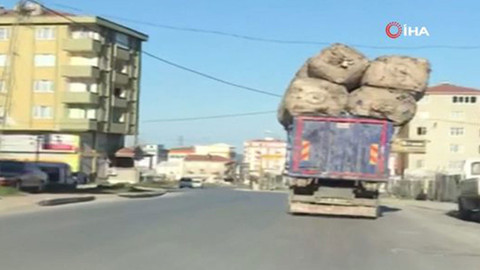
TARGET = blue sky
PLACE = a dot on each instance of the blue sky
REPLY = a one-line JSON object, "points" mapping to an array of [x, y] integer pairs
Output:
{"points": [[171, 93]]}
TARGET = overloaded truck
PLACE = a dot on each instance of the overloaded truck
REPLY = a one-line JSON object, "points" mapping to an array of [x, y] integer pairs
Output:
{"points": [[340, 112], [335, 164]]}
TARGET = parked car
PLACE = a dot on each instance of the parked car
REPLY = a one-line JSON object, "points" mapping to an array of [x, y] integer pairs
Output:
{"points": [[186, 182], [22, 175], [59, 174]]}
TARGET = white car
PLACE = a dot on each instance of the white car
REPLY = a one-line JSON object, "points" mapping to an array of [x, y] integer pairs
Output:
{"points": [[187, 182]]}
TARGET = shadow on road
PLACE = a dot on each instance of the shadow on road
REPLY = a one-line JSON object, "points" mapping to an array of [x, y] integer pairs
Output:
{"points": [[456, 215], [382, 210], [388, 209]]}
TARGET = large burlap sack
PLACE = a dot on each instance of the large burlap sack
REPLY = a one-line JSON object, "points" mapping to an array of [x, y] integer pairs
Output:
{"points": [[339, 64], [310, 96], [394, 105], [399, 72]]}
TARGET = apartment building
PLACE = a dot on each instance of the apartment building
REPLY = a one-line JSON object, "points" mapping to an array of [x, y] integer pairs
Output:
{"points": [[264, 156], [69, 74], [448, 121]]}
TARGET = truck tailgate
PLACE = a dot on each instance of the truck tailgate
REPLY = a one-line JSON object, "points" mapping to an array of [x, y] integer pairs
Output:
{"points": [[340, 148]]}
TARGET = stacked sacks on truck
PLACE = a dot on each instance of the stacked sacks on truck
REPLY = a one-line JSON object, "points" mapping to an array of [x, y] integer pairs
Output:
{"points": [[341, 81]]}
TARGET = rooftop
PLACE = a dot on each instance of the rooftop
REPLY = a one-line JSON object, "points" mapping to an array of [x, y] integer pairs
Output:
{"points": [[189, 149], [45, 16], [450, 89], [266, 140], [210, 158]]}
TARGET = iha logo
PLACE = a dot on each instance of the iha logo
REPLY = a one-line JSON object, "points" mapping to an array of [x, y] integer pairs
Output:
{"points": [[395, 30]]}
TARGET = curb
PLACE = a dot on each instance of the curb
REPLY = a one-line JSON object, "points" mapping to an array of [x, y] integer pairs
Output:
{"points": [[147, 194], [60, 201], [139, 188]]}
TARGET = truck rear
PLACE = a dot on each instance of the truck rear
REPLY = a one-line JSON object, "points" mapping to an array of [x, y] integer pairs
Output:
{"points": [[335, 165]]}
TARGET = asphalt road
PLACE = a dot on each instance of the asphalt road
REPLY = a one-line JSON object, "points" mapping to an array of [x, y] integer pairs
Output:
{"points": [[226, 229]]}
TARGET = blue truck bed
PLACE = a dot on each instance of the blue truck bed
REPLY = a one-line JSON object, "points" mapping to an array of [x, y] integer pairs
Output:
{"points": [[339, 148]]}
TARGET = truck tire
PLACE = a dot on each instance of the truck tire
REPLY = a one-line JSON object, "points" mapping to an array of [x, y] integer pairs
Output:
{"points": [[463, 213]]}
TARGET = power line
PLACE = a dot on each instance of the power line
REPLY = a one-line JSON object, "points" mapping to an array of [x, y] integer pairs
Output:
{"points": [[271, 40], [207, 117], [251, 89], [176, 65]]}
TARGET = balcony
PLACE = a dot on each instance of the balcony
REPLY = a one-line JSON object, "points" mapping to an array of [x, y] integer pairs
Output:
{"points": [[120, 78], [402, 145], [83, 45], [121, 54], [118, 128], [80, 98], [81, 71], [119, 102], [78, 124]]}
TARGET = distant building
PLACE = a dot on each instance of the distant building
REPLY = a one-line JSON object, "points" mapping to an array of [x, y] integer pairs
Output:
{"points": [[178, 154], [152, 155], [218, 149], [209, 167], [448, 121], [265, 156], [206, 161]]}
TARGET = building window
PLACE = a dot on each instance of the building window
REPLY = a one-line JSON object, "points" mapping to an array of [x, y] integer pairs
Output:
{"points": [[457, 115], [83, 32], [455, 148], [79, 113], [122, 40], [43, 86], [82, 86], [457, 131], [45, 33], [3, 60], [42, 112], [4, 33], [471, 99], [421, 130], [420, 163], [44, 60]]}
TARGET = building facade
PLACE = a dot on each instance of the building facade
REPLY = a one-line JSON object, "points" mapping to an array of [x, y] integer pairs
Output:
{"points": [[218, 149], [69, 74], [448, 121], [208, 167], [265, 156]]}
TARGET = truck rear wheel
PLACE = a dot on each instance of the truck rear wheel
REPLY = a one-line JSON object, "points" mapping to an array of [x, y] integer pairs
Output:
{"points": [[463, 213]]}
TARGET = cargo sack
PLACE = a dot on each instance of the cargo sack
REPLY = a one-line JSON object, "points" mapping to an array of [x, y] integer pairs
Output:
{"points": [[396, 106], [310, 96], [399, 72], [339, 64]]}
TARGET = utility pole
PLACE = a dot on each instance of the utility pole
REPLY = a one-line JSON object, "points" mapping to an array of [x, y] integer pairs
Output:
{"points": [[37, 147]]}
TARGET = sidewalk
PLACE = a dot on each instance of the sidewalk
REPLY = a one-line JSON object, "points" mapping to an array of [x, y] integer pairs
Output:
{"points": [[430, 205], [25, 202]]}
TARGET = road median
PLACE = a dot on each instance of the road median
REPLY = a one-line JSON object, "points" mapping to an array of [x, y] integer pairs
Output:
{"points": [[66, 200], [143, 194]]}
